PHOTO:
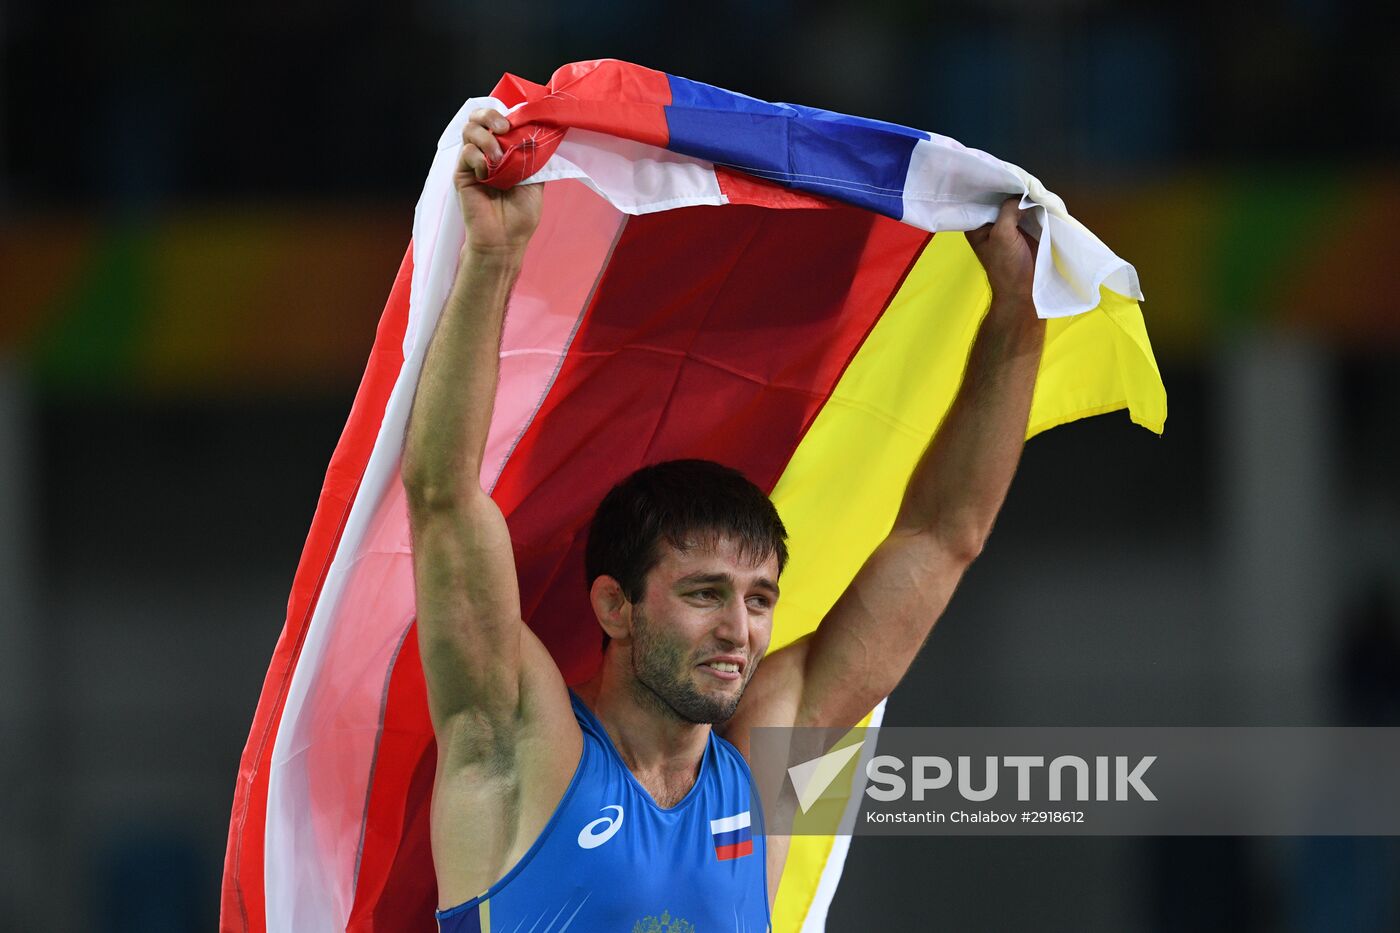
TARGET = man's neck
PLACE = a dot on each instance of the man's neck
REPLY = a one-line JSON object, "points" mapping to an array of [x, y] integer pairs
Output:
{"points": [[647, 733]]}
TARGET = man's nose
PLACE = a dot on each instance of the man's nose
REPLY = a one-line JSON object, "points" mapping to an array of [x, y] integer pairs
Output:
{"points": [[734, 625]]}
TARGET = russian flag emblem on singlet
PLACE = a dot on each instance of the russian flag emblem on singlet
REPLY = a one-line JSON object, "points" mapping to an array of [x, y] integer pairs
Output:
{"points": [[733, 836]]}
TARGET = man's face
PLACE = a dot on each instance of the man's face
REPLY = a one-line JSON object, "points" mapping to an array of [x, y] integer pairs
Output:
{"points": [[702, 625]]}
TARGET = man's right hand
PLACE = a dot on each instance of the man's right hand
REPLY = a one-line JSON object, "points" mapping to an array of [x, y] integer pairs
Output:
{"points": [[497, 221]]}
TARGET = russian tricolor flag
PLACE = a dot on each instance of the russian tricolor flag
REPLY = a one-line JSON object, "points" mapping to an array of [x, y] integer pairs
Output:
{"points": [[733, 836]]}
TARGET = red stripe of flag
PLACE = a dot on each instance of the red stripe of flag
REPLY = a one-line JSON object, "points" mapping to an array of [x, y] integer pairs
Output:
{"points": [[737, 850], [739, 188], [242, 902], [715, 333]]}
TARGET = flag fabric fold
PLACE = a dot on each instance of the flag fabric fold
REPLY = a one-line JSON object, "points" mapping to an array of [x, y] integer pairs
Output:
{"points": [[767, 285]]}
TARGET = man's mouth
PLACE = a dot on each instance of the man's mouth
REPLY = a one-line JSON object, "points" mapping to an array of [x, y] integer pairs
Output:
{"points": [[724, 669]]}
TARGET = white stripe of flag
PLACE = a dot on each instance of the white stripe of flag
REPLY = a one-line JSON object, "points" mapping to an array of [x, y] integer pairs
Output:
{"points": [[730, 823]]}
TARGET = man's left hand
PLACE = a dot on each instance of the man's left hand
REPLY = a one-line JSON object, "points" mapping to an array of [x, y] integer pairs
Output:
{"points": [[1007, 253]]}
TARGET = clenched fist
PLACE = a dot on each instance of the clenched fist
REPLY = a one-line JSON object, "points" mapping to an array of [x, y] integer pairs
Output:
{"points": [[1006, 252], [497, 221]]}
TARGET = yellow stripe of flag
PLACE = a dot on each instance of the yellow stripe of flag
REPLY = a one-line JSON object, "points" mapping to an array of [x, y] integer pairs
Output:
{"points": [[843, 485]]}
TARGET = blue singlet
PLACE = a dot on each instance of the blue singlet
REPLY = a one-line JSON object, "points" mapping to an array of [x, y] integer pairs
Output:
{"points": [[611, 859]]}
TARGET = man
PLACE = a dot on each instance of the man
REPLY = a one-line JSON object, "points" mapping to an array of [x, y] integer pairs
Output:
{"points": [[625, 800]]}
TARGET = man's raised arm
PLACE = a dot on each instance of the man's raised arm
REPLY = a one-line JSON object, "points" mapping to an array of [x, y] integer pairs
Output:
{"points": [[468, 599], [867, 641]]}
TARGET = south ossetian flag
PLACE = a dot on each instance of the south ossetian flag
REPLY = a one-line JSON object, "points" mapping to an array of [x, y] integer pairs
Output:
{"points": [[779, 288]]}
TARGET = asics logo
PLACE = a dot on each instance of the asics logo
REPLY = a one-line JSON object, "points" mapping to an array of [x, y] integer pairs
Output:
{"points": [[600, 830]]}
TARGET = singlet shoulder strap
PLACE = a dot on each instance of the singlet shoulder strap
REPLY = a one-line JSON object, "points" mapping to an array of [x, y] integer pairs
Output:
{"points": [[586, 720]]}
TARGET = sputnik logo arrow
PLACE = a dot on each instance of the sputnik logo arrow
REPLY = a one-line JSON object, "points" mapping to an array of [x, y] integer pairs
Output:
{"points": [[811, 778]]}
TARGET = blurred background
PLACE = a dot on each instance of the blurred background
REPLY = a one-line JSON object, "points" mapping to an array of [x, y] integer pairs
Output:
{"points": [[202, 209]]}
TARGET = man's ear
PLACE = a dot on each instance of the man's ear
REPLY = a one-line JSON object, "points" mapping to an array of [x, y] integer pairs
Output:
{"points": [[611, 607]]}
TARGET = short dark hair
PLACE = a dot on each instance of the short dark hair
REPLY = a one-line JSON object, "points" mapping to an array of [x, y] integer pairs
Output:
{"points": [[677, 502]]}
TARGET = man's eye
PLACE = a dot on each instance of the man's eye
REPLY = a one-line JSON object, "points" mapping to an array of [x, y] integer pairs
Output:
{"points": [[704, 594], [759, 602]]}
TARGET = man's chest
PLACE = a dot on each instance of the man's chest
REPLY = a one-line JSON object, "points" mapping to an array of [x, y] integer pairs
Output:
{"points": [[667, 790]]}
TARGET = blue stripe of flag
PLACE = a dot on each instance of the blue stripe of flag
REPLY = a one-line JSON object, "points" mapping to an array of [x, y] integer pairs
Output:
{"points": [[853, 159], [733, 837]]}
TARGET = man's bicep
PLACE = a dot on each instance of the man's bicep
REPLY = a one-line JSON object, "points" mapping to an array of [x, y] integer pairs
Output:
{"points": [[468, 605], [865, 644]]}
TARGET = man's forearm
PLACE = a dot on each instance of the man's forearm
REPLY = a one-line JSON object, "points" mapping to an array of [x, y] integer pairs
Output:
{"points": [[456, 391], [961, 480]]}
